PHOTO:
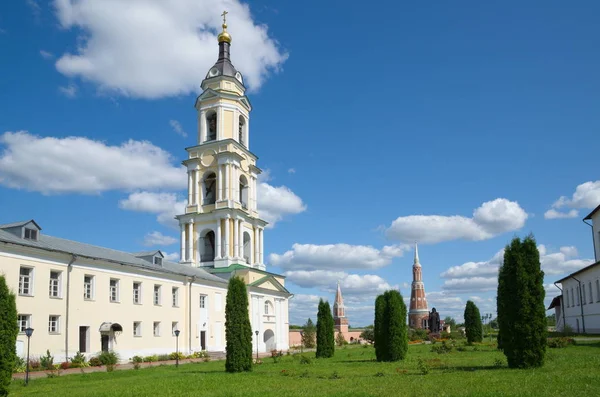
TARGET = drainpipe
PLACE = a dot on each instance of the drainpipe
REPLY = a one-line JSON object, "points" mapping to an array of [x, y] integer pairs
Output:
{"points": [[69, 267], [562, 307], [593, 240], [580, 304], [191, 280]]}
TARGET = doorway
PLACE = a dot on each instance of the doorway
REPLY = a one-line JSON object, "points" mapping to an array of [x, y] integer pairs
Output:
{"points": [[84, 333], [104, 342], [269, 339], [203, 340]]}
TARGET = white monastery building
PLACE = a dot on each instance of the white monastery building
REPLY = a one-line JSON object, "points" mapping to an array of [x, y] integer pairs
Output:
{"points": [[80, 297], [578, 307]]}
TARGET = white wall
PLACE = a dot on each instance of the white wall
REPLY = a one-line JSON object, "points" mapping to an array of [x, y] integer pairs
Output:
{"points": [[590, 306]]}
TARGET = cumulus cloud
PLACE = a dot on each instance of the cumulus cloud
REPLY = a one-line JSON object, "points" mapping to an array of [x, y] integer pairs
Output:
{"points": [[82, 165], [157, 238], [176, 125], [165, 205], [586, 195], [326, 280], [275, 202], [172, 257], [155, 48], [483, 276], [489, 220], [336, 256]]}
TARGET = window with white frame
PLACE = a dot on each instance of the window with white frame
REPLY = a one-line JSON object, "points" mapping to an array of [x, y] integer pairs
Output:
{"points": [[174, 327], [88, 287], [175, 296], [137, 293], [53, 324], [156, 294], [202, 301], [26, 281], [24, 321], [114, 290], [266, 307], [31, 234], [54, 287], [137, 328], [157, 328]]}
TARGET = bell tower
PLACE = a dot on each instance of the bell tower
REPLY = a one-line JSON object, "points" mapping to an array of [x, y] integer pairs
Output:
{"points": [[418, 314], [339, 312], [221, 225]]}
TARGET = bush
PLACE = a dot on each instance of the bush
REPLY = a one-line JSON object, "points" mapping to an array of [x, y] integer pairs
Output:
{"points": [[79, 361], [238, 331], [8, 335], [276, 355], [442, 348], [19, 366], [200, 354], [65, 365], [340, 340], [34, 364], [163, 357], [559, 342], [417, 334], [108, 358], [95, 362], [151, 359], [175, 355], [309, 334], [47, 361]]}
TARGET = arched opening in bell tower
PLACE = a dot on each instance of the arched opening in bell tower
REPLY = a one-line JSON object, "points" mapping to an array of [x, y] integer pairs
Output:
{"points": [[247, 247], [210, 188], [207, 247], [244, 191], [242, 131], [211, 125]]}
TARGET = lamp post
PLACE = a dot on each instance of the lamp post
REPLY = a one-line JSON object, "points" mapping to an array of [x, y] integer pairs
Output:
{"points": [[28, 333], [301, 342], [256, 333], [176, 348]]}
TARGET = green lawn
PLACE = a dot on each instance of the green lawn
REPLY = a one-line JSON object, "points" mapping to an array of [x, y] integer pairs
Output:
{"points": [[352, 372]]}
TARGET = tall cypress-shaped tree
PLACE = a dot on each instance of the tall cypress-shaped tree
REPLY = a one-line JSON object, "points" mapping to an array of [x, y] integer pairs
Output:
{"points": [[325, 331], [8, 335], [397, 332], [380, 329], [238, 330], [522, 319], [474, 329]]}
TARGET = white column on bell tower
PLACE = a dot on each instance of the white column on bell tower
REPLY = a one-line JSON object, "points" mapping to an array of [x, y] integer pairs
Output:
{"points": [[182, 258], [260, 254], [255, 246], [227, 180], [227, 236], [220, 182], [240, 252], [202, 135], [218, 240], [190, 186], [190, 240]]}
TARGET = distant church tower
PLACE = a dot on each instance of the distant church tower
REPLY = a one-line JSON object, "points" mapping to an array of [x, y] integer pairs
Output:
{"points": [[221, 225], [418, 315], [339, 312]]}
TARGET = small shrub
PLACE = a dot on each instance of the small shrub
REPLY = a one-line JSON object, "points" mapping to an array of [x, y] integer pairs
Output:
{"points": [[47, 361], [79, 361], [423, 367], [108, 358], [200, 354], [95, 362], [137, 359], [175, 355], [110, 367], [163, 357], [559, 342], [151, 359], [442, 348], [65, 365], [417, 334], [19, 366], [276, 355]]}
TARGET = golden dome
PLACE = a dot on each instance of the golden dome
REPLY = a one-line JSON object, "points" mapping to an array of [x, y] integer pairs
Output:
{"points": [[224, 36]]}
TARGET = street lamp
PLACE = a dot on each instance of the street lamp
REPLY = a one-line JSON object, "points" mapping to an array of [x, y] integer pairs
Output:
{"points": [[28, 333], [177, 348], [301, 342], [256, 333]]}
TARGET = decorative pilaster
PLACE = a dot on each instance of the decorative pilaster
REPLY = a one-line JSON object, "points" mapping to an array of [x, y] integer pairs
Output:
{"points": [[197, 188], [227, 221], [260, 253], [227, 181], [240, 252], [203, 130], [191, 241], [182, 242], [218, 254], [190, 186], [255, 246]]}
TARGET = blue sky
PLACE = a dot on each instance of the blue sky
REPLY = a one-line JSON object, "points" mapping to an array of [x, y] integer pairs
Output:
{"points": [[457, 125]]}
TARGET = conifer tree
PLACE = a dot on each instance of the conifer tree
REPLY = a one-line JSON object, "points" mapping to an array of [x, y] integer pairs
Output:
{"points": [[238, 331], [390, 329], [8, 335], [325, 331], [474, 329], [521, 311], [308, 334], [380, 329]]}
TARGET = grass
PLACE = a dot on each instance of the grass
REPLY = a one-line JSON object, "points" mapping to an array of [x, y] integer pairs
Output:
{"points": [[479, 371]]}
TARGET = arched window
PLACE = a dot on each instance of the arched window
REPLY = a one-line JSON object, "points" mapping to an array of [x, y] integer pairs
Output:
{"points": [[242, 130], [247, 247], [244, 192], [211, 125], [268, 308], [210, 188], [207, 250]]}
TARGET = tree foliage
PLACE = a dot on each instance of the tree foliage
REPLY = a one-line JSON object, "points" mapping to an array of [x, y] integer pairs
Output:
{"points": [[8, 335], [238, 331], [308, 334], [450, 321], [325, 331], [368, 335], [340, 340], [391, 330], [473, 326], [520, 299]]}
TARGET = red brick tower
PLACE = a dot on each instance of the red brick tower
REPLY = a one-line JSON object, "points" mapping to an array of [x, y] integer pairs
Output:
{"points": [[339, 312], [418, 314]]}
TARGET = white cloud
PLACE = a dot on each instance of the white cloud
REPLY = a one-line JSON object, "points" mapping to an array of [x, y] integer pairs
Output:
{"points": [[165, 205], [336, 256], [292, 171], [351, 284], [489, 220], [172, 257], [586, 195], [46, 54], [483, 276], [70, 91], [157, 238], [157, 48], [176, 125], [82, 165], [554, 214], [34, 7], [275, 202]]}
